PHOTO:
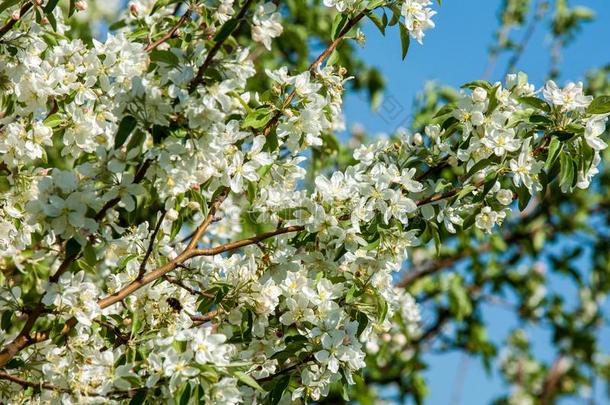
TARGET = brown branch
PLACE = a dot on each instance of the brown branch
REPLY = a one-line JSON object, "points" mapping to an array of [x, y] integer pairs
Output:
{"points": [[9, 25], [333, 45], [314, 66], [187, 254], [26, 383], [24, 339], [166, 268], [541, 8], [48, 386], [206, 317], [139, 176], [552, 380], [442, 318], [244, 242], [198, 79], [287, 369], [171, 33], [153, 237], [190, 290]]}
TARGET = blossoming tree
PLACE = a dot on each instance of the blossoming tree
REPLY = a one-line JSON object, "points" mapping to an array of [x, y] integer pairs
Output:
{"points": [[178, 222]]}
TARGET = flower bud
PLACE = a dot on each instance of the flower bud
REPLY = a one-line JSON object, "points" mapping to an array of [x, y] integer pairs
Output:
{"points": [[360, 38], [133, 9], [504, 197], [194, 205], [433, 131], [400, 339], [172, 215], [479, 177], [479, 95], [81, 5], [418, 139]]}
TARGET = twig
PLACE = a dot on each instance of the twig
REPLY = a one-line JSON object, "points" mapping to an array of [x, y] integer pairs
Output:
{"points": [[26, 383], [9, 25], [244, 242], [206, 317], [140, 173], [314, 66], [190, 290], [171, 33], [550, 385], [529, 32], [166, 268], [153, 237], [198, 79], [287, 369]]}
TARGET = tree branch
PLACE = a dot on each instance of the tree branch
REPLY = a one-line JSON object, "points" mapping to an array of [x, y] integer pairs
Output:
{"points": [[198, 79], [26, 383], [314, 66], [552, 379], [171, 33], [9, 25], [24, 339], [153, 237]]}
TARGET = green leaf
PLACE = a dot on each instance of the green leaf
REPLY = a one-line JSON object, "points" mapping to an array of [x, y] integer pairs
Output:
{"points": [[562, 135], [600, 105], [7, 4], [395, 15], [185, 395], [378, 22], [333, 58], [72, 8], [226, 30], [52, 21], [459, 302], [72, 247], [363, 322], [566, 174], [469, 221], [258, 118], [246, 379], [536, 103], [115, 26], [405, 40], [524, 197], [482, 164], [554, 149], [278, 389], [382, 306], [126, 126], [50, 6], [5, 323], [136, 323], [493, 99], [338, 24], [53, 120], [484, 84], [167, 57], [138, 398], [465, 191], [446, 109], [373, 4]]}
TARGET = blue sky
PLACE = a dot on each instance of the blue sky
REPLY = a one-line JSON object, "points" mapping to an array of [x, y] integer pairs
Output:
{"points": [[455, 52]]}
